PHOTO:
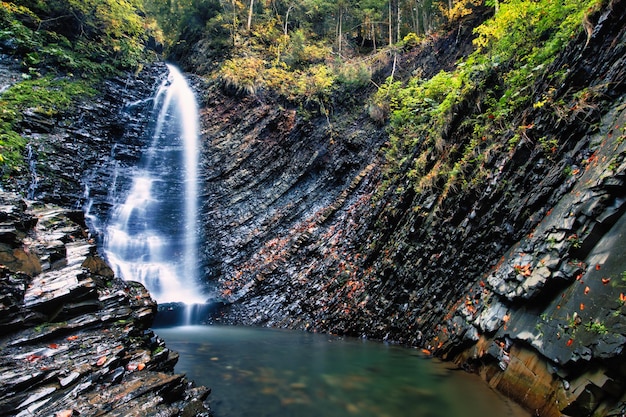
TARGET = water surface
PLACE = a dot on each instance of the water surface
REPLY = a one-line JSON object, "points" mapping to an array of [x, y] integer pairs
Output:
{"points": [[260, 372]]}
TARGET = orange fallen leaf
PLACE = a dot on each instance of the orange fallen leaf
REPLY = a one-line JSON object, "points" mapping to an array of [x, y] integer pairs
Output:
{"points": [[53, 346], [64, 413], [70, 338], [598, 267], [569, 342], [141, 366], [587, 289], [426, 352], [582, 306], [622, 297], [101, 361], [606, 280]]}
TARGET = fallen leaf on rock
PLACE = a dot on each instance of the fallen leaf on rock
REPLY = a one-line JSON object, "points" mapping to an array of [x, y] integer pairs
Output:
{"points": [[64, 413], [70, 338], [587, 289], [53, 346], [426, 352], [101, 361], [582, 306], [598, 267], [140, 366], [569, 342], [606, 280]]}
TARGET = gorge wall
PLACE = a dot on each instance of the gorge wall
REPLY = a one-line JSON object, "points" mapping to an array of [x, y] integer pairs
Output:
{"points": [[516, 273]]}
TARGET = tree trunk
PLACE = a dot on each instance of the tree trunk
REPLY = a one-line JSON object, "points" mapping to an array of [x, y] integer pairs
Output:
{"points": [[398, 21], [374, 36], [250, 14], [234, 23], [390, 24], [339, 30], [287, 19]]}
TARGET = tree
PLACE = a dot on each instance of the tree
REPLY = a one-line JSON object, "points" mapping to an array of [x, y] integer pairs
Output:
{"points": [[250, 10]]}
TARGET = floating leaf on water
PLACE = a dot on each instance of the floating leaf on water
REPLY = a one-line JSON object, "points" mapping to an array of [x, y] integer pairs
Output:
{"points": [[297, 385]]}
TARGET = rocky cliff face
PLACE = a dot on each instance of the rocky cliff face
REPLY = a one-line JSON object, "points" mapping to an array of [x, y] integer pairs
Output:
{"points": [[75, 339], [518, 274]]}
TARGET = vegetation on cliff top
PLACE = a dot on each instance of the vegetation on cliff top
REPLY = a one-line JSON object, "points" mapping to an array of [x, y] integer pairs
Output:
{"points": [[485, 95], [310, 52], [63, 48], [315, 53]]}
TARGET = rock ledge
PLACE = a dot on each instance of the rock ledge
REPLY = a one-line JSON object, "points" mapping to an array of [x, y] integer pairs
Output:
{"points": [[75, 339]]}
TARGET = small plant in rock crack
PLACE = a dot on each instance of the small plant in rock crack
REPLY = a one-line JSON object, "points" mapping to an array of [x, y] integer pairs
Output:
{"points": [[574, 240], [597, 327]]}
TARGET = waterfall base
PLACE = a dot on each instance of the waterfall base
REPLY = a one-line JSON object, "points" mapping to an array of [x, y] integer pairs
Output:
{"points": [[181, 314]]}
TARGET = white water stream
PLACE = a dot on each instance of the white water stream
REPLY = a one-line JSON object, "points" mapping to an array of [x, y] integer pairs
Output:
{"points": [[152, 235]]}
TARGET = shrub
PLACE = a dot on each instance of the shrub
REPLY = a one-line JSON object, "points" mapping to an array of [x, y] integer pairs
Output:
{"points": [[242, 75]]}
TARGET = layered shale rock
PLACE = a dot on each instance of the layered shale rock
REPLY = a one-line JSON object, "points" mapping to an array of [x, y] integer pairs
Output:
{"points": [[75, 339], [516, 272]]}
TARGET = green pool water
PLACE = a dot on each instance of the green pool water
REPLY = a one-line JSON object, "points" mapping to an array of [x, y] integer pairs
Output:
{"points": [[260, 372]]}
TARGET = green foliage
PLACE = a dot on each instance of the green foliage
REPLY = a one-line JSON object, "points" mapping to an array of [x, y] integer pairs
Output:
{"points": [[522, 39], [244, 75], [514, 49], [93, 37], [47, 96], [353, 75], [596, 327], [251, 74], [410, 41]]}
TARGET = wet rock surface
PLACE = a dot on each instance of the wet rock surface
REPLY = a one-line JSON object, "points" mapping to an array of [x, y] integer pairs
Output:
{"points": [[517, 275], [76, 340], [75, 159]]}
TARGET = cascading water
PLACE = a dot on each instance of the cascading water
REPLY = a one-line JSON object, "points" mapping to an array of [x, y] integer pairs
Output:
{"points": [[152, 236], [31, 158]]}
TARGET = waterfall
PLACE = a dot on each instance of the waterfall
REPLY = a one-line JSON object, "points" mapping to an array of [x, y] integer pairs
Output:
{"points": [[152, 235], [31, 159]]}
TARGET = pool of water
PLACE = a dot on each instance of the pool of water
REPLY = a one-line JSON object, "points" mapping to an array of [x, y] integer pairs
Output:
{"points": [[267, 372]]}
